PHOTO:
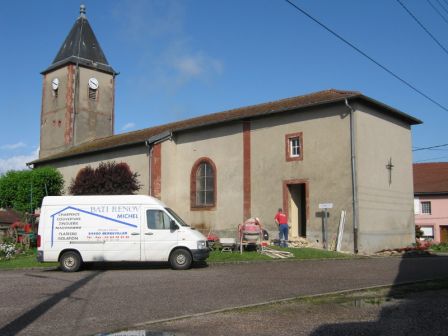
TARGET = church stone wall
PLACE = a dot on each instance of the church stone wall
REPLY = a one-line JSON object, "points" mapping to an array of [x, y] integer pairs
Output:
{"points": [[325, 167], [222, 145], [386, 215], [94, 117], [57, 113], [136, 157], [61, 127]]}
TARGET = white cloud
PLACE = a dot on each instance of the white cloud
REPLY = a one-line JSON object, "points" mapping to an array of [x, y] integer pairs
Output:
{"points": [[169, 58], [181, 64], [189, 66], [143, 19], [194, 66], [17, 162], [128, 126], [13, 146]]}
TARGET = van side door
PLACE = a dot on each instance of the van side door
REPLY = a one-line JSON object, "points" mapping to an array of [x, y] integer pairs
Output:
{"points": [[158, 235]]}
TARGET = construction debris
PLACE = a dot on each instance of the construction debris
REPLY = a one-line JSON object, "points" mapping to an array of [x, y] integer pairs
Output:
{"points": [[276, 254], [302, 242]]}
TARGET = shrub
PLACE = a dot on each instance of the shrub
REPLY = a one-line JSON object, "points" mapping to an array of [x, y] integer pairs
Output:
{"points": [[442, 247], [109, 178]]}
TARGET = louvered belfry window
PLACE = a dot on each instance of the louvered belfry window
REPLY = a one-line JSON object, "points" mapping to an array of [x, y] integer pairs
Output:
{"points": [[93, 94]]}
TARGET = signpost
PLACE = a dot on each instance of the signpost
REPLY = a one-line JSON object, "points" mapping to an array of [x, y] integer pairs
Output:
{"points": [[325, 206]]}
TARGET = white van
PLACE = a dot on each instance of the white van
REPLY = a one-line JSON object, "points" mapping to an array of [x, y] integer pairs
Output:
{"points": [[77, 229]]}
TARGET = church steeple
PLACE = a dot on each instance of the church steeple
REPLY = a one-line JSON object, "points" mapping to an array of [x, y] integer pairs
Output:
{"points": [[78, 92], [81, 47]]}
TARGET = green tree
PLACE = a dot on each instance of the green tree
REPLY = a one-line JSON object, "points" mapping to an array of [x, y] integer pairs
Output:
{"points": [[24, 190], [109, 178]]}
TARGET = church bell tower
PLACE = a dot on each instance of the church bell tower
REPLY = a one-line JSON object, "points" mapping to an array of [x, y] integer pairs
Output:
{"points": [[78, 93]]}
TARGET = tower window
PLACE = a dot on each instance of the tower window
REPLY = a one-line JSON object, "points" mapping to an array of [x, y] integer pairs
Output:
{"points": [[93, 94]]}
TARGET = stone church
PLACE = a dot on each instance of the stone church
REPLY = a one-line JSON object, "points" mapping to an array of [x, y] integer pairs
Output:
{"points": [[339, 148]]}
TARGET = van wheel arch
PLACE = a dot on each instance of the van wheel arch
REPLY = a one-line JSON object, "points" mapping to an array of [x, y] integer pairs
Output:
{"points": [[70, 260], [181, 258]]}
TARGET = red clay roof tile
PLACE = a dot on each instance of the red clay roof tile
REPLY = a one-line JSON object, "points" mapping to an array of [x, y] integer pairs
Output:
{"points": [[8, 216], [278, 106], [431, 177]]}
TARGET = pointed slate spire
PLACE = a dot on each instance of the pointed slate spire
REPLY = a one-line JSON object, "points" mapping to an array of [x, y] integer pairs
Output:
{"points": [[81, 47]]}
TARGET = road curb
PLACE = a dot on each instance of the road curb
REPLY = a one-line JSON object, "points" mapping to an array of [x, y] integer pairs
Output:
{"points": [[285, 300]]}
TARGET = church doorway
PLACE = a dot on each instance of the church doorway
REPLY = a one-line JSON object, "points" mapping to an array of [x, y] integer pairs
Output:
{"points": [[296, 207]]}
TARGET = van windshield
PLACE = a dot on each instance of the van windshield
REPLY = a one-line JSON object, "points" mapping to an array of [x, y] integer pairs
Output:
{"points": [[179, 220]]}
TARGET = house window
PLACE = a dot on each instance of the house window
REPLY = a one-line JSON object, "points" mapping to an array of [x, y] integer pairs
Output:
{"points": [[203, 184], [294, 146], [426, 208], [428, 232]]}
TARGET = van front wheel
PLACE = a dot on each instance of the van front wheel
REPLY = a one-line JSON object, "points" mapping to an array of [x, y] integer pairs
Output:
{"points": [[70, 261], [180, 259]]}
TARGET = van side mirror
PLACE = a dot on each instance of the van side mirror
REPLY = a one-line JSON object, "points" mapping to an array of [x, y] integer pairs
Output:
{"points": [[173, 225]]}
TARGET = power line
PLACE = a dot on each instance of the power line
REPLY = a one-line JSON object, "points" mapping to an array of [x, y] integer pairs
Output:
{"points": [[367, 56], [432, 159], [441, 5], [422, 26], [431, 147], [437, 10]]}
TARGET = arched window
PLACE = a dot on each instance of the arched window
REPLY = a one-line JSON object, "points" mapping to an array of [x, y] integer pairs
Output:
{"points": [[203, 184]]}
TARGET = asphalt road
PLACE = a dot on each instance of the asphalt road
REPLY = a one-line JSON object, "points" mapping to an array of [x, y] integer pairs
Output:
{"points": [[109, 298]]}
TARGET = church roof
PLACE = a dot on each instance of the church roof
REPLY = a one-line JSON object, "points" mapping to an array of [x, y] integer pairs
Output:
{"points": [[431, 178], [81, 47], [279, 106]]}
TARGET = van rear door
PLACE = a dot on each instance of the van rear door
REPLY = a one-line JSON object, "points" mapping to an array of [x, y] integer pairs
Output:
{"points": [[158, 239]]}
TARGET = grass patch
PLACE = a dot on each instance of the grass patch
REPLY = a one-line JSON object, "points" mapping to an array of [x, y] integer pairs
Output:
{"points": [[26, 259], [298, 254], [312, 253]]}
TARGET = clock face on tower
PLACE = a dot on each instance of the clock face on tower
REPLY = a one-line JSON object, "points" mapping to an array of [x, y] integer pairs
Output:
{"points": [[93, 83], [55, 84]]}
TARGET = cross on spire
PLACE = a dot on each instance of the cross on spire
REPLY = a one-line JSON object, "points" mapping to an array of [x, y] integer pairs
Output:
{"points": [[82, 11]]}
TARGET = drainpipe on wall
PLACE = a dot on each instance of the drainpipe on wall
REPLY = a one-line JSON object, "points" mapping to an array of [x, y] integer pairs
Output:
{"points": [[354, 184], [148, 144]]}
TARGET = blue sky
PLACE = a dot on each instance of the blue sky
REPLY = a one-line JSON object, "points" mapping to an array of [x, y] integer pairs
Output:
{"points": [[179, 59]]}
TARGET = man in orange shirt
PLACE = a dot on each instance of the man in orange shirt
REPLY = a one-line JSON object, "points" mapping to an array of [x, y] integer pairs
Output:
{"points": [[282, 222]]}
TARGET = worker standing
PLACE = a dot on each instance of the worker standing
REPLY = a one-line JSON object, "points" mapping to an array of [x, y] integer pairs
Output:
{"points": [[282, 222]]}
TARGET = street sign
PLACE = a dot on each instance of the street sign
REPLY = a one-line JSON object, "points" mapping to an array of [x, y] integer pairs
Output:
{"points": [[325, 205]]}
